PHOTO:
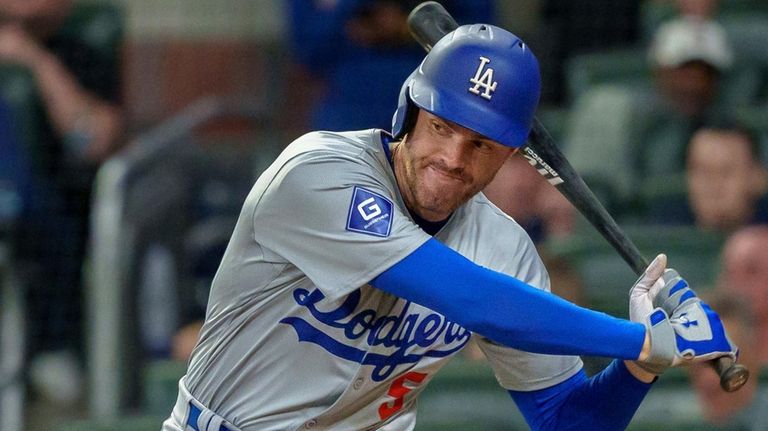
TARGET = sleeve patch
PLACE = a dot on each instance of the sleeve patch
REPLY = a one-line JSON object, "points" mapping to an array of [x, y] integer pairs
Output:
{"points": [[369, 213]]}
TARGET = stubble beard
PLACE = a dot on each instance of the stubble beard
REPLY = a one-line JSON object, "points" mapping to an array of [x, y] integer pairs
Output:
{"points": [[430, 201], [434, 201]]}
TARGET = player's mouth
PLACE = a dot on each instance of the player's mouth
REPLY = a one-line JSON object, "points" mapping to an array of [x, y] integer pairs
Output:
{"points": [[446, 174]]}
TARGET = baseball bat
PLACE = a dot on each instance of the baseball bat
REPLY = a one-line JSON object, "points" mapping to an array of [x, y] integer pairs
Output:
{"points": [[428, 22]]}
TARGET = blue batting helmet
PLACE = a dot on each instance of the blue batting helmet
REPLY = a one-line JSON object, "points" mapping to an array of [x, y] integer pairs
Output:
{"points": [[479, 76]]}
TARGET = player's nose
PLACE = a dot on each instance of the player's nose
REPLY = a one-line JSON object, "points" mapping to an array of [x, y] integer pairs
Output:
{"points": [[457, 154]]}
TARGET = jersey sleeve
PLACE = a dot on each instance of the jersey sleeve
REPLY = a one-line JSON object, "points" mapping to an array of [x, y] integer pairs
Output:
{"points": [[522, 371], [515, 369], [336, 218]]}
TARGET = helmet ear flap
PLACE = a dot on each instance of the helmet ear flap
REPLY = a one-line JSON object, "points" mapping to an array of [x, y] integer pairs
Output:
{"points": [[405, 116], [411, 114]]}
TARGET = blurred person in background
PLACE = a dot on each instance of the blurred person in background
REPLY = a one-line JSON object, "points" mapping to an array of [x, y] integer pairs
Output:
{"points": [[643, 131], [688, 58], [747, 408], [361, 51], [81, 124], [79, 92], [744, 271], [726, 182]]}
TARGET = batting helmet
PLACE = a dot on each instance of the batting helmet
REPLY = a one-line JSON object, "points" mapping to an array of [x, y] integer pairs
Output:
{"points": [[479, 76]]}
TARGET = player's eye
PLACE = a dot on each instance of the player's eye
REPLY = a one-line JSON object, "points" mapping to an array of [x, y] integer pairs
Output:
{"points": [[440, 128], [482, 145]]}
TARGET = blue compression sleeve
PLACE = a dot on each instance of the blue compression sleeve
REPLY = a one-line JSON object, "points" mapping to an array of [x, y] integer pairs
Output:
{"points": [[605, 402], [505, 309]]}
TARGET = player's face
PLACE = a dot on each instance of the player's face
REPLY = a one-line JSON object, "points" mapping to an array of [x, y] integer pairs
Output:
{"points": [[440, 165]]}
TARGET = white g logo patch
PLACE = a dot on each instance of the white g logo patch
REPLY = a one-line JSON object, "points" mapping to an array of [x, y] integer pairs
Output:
{"points": [[368, 211]]}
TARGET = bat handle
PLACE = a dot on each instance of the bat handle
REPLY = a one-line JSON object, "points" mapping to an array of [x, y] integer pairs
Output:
{"points": [[732, 375]]}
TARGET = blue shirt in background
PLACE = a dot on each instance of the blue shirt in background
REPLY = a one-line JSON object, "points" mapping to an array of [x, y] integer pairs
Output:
{"points": [[362, 83]]}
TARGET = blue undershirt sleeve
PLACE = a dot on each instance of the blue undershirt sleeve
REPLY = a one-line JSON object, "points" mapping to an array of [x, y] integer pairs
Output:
{"points": [[605, 402], [506, 310]]}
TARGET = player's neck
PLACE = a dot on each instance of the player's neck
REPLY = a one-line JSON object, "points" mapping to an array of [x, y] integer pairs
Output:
{"points": [[430, 227]]}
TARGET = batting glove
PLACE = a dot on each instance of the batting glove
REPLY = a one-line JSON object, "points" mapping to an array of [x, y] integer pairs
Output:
{"points": [[673, 293], [683, 329]]}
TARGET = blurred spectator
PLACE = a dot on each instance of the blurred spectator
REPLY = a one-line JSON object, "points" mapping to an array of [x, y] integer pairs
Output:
{"points": [[361, 52], [747, 408], [745, 272], [79, 91], [78, 86], [727, 184], [651, 126], [688, 58]]}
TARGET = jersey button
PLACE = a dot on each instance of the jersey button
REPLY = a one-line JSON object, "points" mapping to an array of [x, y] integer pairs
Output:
{"points": [[358, 383], [310, 424]]}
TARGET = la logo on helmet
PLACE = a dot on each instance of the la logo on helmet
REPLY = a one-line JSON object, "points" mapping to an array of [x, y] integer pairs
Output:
{"points": [[483, 78]]}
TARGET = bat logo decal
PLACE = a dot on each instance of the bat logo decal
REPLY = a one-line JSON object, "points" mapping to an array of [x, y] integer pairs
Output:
{"points": [[544, 169]]}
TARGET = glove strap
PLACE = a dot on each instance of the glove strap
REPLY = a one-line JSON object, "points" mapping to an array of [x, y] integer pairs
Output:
{"points": [[674, 293], [662, 335]]}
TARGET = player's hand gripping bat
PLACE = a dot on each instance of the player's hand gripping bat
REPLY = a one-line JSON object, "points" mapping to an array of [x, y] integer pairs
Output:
{"points": [[428, 22]]}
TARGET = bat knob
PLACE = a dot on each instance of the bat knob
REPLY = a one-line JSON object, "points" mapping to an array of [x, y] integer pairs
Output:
{"points": [[734, 377]]}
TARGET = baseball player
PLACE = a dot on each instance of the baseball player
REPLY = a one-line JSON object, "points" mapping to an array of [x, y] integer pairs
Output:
{"points": [[362, 261]]}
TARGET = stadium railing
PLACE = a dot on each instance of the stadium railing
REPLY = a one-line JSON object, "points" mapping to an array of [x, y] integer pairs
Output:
{"points": [[113, 352]]}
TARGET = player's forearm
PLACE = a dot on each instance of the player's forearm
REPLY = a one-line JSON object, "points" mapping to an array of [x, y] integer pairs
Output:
{"points": [[505, 309]]}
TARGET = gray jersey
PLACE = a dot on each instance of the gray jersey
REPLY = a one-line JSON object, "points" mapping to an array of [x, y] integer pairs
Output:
{"points": [[295, 337]]}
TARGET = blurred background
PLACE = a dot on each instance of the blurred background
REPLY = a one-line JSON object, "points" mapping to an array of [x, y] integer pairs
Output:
{"points": [[131, 131]]}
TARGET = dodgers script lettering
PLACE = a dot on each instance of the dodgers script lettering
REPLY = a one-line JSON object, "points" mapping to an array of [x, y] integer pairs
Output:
{"points": [[409, 335]]}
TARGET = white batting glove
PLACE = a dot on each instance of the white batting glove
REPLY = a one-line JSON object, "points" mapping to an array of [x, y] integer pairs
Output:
{"points": [[693, 333], [682, 328], [646, 289]]}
